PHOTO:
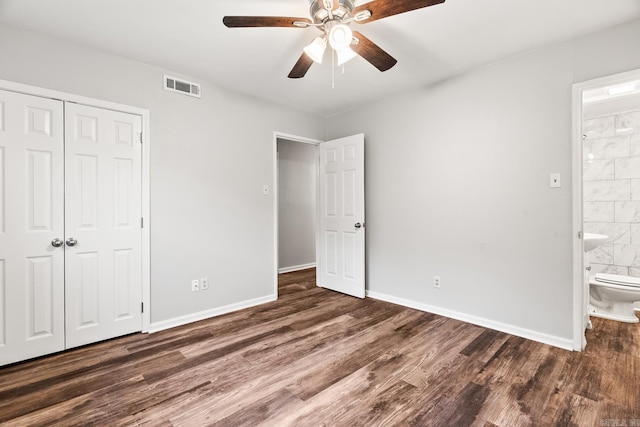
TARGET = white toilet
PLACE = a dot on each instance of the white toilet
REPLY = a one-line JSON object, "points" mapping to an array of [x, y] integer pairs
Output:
{"points": [[614, 297]]}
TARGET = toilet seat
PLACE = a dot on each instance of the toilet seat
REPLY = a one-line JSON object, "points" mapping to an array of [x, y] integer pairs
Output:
{"points": [[614, 279]]}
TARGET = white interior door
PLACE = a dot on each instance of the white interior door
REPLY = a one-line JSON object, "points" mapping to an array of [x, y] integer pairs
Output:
{"points": [[342, 236], [103, 224], [31, 217]]}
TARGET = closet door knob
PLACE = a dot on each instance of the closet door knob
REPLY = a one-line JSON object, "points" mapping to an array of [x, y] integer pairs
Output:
{"points": [[56, 243], [71, 241]]}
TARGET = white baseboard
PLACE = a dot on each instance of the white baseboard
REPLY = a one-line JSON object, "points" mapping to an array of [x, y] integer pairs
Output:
{"points": [[555, 341], [296, 268], [207, 314]]}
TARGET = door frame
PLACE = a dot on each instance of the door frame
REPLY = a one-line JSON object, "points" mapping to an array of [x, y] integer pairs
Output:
{"points": [[304, 140], [146, 148], [580, 290]]}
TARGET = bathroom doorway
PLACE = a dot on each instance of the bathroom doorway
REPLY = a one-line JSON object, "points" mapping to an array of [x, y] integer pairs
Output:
{"points": [[606, 163]]}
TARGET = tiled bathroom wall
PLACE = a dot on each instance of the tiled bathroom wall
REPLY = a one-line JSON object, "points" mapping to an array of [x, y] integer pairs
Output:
{"points": [[611, 190]]}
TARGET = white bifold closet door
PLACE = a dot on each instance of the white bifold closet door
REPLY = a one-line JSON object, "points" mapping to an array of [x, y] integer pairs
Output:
{"points": [[103, 273], [31, 217], [70, 232]]}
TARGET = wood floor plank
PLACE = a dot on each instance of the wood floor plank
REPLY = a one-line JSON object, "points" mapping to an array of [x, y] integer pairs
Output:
{"points": [[360, 395], [253, 413], [52, 391], [436, 399], [523, 385], [94, 407], [354, 354], [615, 383], [316, 357]]}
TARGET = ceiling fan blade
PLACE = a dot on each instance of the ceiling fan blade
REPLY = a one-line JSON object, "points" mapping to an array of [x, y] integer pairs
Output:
{"points": [[264, 21], [301, 67], [383, 8], [373, 53]]}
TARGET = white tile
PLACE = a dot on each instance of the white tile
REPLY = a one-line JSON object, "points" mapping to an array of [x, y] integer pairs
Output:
{"points": [[599, 211], [598, 170], [635, 234], [626, 255], [606, 148], [634, 144], [599, 127], [601, 255], [627, 212], [628, 122], [609, 269], [618, 233], [606, 191], [634, 272], [635, 189], [627, 167]]}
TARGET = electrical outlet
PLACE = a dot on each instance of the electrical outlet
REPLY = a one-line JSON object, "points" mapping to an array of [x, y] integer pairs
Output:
{"points": [[436, 282], [204, 283], [195, 285]]}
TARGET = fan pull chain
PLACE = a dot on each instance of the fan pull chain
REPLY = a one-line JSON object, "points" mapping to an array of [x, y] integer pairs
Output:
{"points": [[333, 69]]}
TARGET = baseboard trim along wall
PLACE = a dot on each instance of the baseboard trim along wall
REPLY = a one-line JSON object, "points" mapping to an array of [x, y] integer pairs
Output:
{"points": [[207, 314], [555, 341], [296, 268]]}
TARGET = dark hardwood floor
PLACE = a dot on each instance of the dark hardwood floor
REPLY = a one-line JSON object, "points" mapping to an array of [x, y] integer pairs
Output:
{"points": [[316, 357]]}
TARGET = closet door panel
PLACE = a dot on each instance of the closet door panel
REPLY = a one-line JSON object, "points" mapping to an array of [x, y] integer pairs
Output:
{"points": [[31, 218], [103, 211]]}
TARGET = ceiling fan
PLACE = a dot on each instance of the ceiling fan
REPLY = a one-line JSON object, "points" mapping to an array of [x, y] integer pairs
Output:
{"points": [[333, 18]]}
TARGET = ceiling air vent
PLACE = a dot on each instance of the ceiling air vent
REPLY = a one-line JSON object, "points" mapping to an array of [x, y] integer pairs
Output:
{"points": [[178, 85]]}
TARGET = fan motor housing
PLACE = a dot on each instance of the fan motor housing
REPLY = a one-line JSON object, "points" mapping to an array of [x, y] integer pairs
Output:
{"points": [[321, 15]]}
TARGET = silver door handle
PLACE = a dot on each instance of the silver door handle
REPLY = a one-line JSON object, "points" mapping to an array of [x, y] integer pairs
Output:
{"points": [[56, 243], [71, 241], [358, 225]]}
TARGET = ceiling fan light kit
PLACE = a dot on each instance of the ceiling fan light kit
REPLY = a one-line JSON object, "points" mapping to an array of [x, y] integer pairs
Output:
{"points": [[345, 55], [333, 18], [315, 50], [340, 35]]}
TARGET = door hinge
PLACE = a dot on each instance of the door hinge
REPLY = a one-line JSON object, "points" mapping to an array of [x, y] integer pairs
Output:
{"points": [[579, 234], [141, 307], [140, 137], [141, 222]]}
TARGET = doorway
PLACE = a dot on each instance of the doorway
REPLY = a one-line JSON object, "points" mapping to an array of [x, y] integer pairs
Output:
{"points": [[606, 163], [297, 207], [340, 213], [296, 180]]}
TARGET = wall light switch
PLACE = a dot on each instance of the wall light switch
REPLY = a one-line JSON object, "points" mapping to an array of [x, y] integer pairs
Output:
{"points": [[265, 189], [555, 181]]}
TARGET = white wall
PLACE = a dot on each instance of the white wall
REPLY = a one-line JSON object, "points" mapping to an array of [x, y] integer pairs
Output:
{"points": [[296, 204], [457, 185], [210, 158]]}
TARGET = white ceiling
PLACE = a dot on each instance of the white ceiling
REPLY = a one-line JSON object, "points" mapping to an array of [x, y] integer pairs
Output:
{"points": [[430, 44]]}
